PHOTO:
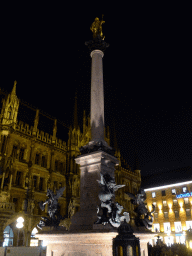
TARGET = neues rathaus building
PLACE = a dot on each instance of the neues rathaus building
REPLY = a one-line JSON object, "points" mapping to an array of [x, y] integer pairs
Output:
{"points": [[32, 161]]}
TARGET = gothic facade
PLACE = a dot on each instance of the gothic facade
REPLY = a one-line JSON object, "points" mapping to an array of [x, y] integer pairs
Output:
{"points": [[32, 161]]}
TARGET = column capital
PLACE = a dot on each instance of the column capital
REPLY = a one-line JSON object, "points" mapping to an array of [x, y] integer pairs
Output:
{"points": [[97, 51], [97, 44]]}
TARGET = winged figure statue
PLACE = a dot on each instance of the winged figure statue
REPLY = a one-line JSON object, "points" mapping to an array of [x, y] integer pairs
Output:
{"points": [[111, 210], [143, 216], [53, 209]]}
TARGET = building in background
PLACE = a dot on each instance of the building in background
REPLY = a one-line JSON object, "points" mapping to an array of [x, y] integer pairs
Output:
{"points": [[32, 161], [173, 202]]}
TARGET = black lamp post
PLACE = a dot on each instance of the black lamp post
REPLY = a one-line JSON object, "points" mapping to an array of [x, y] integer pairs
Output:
{"points": [[125, 243]]}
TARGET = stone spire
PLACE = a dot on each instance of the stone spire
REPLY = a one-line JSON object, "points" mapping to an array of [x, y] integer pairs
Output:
{"points": [[13, 93], [54, 131], [75, 113], [36, 121], [10, 107]]}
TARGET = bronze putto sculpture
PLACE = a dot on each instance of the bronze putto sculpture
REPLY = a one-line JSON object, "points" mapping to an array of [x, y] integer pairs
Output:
{"points": [[53, 209], [143, 216], [109, 211]]}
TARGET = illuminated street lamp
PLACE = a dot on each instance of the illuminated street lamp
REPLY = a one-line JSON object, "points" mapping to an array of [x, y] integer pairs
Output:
{"points": [[19, 225], [20, 221]]}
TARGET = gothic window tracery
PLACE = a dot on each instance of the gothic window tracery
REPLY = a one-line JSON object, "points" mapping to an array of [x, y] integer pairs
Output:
{"points": [[55, 186], [61, 167], [44, 162], [21, 154], [15, 201], [9, 113], [34, 181], [37, 158], [134, 190], [3, 144], [56, 165], [14, 151], [18, 178], [41, 183]]}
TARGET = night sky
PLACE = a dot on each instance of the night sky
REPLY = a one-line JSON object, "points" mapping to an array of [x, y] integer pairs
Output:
{"points": [[147, 73]]}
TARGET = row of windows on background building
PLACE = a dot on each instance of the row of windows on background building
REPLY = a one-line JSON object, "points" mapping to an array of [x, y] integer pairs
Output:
{"points": [[175, 202], [18, 204], [174, 192], [166, 214], [39, 160], [40, 186], [177, 226]]}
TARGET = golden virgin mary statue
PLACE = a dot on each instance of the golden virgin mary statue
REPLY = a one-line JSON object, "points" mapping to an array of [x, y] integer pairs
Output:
{"points": [[96, 28]]}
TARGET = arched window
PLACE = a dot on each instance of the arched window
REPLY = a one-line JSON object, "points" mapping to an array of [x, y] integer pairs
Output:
{"points": [[21, 154], [16, 202], [34, 181], [37, 158], [18, 178], [44, 162], [55, 186], [134, 190], [61, 167], [56, 165], [41, 183], [8, 236], [14, 151], [9, 113], [3, 144]]}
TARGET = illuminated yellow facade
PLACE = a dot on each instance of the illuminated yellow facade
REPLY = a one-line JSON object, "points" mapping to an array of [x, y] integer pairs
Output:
{"points": [[172, 216], [32, 161]]}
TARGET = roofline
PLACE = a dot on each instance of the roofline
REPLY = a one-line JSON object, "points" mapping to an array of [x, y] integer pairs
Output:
{"points": [[169, 186]]}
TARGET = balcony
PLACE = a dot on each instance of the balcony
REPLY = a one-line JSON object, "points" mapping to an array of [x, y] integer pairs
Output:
{"points": [[7, 207]]}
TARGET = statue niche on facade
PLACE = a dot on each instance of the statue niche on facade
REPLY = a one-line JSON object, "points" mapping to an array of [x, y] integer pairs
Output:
{"points": [[109, 211], [143, 216], [53, 209]]}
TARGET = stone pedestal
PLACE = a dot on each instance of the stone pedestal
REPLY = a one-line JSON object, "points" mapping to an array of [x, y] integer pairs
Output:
{"points": [[78, 244], [86, 243], [91, 166]]}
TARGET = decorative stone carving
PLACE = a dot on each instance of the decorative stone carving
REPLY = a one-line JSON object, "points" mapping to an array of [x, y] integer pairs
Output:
{"points": [[71, 209], [110, 209]]}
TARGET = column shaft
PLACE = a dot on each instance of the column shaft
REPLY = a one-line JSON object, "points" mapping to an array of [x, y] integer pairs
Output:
{"points": [[97, 97]]}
